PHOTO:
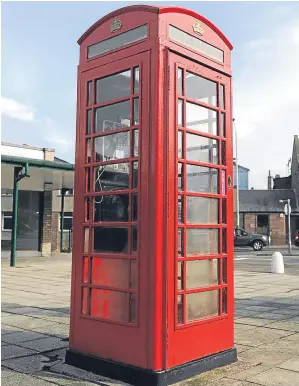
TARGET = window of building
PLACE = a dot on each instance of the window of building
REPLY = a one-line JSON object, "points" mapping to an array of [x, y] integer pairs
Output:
{"points": [[68, 221], [263, 224], [6, 221]]}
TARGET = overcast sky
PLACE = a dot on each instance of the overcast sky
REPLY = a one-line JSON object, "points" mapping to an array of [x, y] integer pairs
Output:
{"points": [[40, 57]]}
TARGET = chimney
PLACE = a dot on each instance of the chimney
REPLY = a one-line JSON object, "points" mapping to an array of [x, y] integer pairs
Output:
{"points": [[269, 181]]}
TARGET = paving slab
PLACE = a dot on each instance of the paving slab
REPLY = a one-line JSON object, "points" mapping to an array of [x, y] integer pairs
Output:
{"points": [[20, 336], [255, 336], [28, 364], [44, 344], [276, 377], [292, 364], [12, 351], [13, 378]]}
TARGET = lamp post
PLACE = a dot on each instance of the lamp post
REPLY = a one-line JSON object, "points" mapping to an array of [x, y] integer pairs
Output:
{"points": [[288, 213], [237, 175]]}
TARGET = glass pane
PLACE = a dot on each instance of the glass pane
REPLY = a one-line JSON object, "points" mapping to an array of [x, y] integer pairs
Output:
{"points": [[224, 270], [202, 241], [106, 304], [110, 272], [180, 144], [201, 119], [135, 175], [180, 209], [180, 275], [202, 273], [112, 177], [180, 176], [201, 149], [135, 143], [89, 93], [224, 300], [133, 269], [180, 112], [88, 151], [112, 117], [110, 240], [202, 210], [180, 241], [113, 87], [134, 239], [86, 240], [222, 131], [180, 309], [85, 270], [221, 97], [84, 309], [134, 207], [224, 211], [135, 111], [88, 122], [223, 153], [136, 80], [87, 208], [223, 182], [132, 308], [87, 180], [196, 44], [202, 305], [180, 81], [111, 208], [201, 89], [202, 179], [224, 243], [113, 146], [118, 41]]}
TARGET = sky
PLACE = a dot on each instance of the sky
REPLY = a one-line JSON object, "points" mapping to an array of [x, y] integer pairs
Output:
{"points": [[39, 75]]}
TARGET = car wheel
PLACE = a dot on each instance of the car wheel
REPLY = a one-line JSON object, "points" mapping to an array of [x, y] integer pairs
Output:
{"points": [[257, 245]]}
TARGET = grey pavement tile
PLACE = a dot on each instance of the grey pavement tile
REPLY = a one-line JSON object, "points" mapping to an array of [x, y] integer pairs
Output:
{"points": [[273, 316], [63, 380], [45, 344], [276, 377], [287, 325], [241, 348], [26, 365], [249, 372], [53, 329], [13, 378], [294, 337], [255, 336], [71, 371], [253, 321], [22, 336], [292, 364], [12, 351], [259, 309], [6, 329]]}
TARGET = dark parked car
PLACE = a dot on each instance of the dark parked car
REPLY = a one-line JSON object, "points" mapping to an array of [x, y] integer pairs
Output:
{"points": [[296, 238], [254, 240]]}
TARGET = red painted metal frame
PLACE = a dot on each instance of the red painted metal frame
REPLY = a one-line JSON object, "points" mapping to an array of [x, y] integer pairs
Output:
{"points": [[216, 333], [154, 341]]}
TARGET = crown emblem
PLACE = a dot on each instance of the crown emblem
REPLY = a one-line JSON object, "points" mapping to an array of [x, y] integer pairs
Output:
{"points": [[116, 25], [198, 28]]}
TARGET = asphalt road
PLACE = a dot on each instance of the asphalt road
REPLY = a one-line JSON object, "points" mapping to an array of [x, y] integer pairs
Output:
{"points": [[248, 260]]}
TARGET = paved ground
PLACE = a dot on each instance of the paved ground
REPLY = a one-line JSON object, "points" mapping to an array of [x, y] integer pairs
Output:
{"points": [[35, 307]]}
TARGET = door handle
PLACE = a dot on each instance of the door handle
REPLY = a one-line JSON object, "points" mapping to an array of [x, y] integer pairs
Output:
{"points": [[229, 182]]}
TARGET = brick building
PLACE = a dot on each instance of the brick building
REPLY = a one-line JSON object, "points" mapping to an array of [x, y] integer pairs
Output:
{"points": [[38, 215]]}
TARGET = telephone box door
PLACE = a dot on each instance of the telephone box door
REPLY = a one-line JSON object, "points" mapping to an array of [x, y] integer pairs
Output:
{"points": [[200, 254], [112, 268]]}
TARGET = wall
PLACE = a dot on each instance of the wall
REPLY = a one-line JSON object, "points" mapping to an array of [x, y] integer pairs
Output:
{"points": [[243, 177], [277, 226]]}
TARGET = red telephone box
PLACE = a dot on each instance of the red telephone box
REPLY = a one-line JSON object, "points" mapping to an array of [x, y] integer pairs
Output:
{"points": [[152, 278]]}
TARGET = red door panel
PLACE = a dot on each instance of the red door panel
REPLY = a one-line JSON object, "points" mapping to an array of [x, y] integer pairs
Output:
{"points": [[200, 246], [110, 256]]}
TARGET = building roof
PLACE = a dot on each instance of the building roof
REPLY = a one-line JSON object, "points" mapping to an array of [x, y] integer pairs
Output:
{"points": [[266, 201], [241, 167]]}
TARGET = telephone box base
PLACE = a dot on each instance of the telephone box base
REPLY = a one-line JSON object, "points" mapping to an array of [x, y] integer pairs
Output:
{"points": [[143, 377]]}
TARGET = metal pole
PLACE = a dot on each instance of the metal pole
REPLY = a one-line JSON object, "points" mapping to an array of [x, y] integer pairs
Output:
{"points": [[63, 191], [289, 227], [237, 175], [13, 246]]}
